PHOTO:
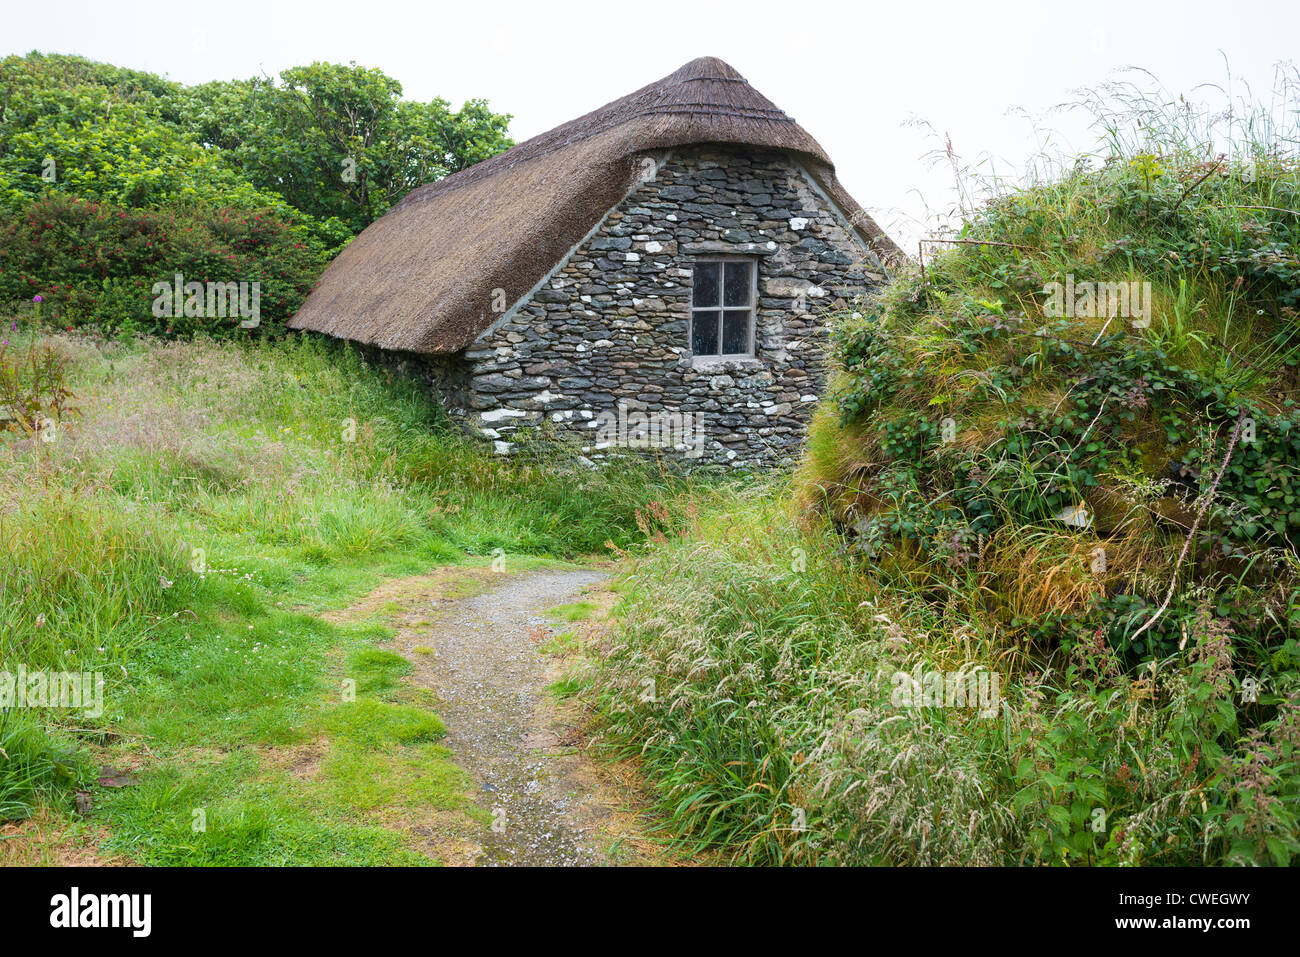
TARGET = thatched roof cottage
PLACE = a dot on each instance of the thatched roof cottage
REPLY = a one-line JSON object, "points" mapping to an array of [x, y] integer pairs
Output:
{"points": [[648, 274]]}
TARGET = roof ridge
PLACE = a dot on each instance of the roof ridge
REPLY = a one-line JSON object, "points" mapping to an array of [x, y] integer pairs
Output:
{"points": [[647, 101]]}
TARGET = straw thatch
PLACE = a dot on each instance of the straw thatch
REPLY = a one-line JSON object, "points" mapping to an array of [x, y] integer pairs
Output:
{"points": [[421, 278]]}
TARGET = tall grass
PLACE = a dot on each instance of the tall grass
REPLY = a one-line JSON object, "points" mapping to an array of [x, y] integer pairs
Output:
{"points": [[752, 676], [195, 466], [753, 671]]}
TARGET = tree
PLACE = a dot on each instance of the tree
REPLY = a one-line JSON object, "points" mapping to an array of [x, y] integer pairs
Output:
{"points": [[338, 141]]}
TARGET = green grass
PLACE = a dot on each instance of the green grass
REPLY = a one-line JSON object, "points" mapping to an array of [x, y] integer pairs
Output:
{"points": [[561, 643], [574, 611], [183, 537]]}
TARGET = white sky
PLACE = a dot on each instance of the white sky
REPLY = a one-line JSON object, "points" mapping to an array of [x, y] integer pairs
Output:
{"points": [[856, 75]]}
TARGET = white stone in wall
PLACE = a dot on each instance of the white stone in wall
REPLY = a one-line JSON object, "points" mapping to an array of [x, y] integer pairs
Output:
{"points": [[654, 247], [496, 415], [786, 287], [798, 222]]}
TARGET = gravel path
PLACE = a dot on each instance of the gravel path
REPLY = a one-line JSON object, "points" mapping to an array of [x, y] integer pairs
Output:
{"points": [[491, 680]]}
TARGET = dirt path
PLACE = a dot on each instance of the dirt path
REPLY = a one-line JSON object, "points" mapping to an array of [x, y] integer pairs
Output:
{"points": [[483, 657]]}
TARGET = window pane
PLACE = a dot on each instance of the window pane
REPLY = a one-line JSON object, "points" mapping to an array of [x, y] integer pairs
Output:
{"points": [[735, 332], [706, 281], [704, 333], [736, 288]]}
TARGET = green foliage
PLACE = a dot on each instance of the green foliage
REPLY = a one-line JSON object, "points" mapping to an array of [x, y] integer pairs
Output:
{"points": [[1050, 413], [1150, 752], [338, 142], [87, 133], [97, 264], [112, 180]]}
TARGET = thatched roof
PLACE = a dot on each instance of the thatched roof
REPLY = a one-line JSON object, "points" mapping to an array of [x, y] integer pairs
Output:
{"points": [[421, 277]]}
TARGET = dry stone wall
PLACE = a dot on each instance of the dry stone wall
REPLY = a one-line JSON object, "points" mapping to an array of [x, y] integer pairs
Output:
{"points": [[601, 351]]}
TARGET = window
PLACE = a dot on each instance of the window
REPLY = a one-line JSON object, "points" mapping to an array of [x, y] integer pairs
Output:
{"points": [[722, 308]]}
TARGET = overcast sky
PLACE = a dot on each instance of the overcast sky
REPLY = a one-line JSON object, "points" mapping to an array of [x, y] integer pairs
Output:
{"points": [[857, 75]]}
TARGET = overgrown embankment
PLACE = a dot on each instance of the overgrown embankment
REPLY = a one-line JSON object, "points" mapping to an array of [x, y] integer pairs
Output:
{"points": [[1065, 453]]}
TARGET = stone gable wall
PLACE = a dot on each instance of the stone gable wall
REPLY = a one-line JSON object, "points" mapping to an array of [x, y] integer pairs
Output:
{"points": [[603, 344]]}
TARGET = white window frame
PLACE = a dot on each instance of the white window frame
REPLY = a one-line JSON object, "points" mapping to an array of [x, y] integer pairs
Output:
{"points": [[721, 310]]}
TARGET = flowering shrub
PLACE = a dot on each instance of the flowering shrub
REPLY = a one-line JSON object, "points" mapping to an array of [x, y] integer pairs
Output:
{"points": [[96, 264]]}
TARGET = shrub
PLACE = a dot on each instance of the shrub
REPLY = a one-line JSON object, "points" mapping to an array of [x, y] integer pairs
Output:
{"points": [[96, 264]]}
